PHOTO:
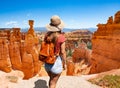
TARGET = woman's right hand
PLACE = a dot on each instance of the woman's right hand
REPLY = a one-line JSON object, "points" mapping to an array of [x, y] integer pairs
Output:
{"points": [[64, 65]]}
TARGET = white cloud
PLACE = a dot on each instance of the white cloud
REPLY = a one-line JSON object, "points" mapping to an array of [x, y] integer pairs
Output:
{"points": [[11, 23]]}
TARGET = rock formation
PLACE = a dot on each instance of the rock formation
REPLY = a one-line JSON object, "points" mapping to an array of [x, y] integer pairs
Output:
{"points": [[70, 67], [106, 46], [77, 35], [31, 29], [80, 61], [19, 54], [30, 60], [5, 64]]}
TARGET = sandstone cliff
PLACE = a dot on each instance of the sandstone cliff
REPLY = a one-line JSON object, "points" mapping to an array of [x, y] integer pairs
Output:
{"points": [[106, 46]]}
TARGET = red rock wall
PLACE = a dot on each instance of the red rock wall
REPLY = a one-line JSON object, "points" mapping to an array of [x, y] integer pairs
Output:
{"points": [[106, 46]]}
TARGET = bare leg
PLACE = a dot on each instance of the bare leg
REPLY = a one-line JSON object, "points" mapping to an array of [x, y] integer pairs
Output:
{"points": [[53, 79], [49, 74]]}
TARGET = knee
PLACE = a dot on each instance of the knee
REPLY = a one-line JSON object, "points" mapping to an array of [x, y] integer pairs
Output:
{"points": [[52, 84]]}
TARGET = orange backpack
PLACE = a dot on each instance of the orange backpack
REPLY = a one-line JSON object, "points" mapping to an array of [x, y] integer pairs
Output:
{"points": [[47, 53]]}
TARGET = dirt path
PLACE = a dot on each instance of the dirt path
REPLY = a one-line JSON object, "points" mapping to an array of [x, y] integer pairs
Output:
{"points": [[64, 82], [14, 80]]}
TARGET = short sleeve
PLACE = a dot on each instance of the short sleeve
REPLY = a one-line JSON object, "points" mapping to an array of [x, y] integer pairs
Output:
{"points": [[59, 41], [61, 38]]}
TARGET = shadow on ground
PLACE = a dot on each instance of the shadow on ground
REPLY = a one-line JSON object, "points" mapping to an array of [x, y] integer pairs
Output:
{"points": [[41, 84]]}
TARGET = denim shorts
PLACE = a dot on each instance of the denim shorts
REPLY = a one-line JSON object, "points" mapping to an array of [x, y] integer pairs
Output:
{"points": [[55, 68]]}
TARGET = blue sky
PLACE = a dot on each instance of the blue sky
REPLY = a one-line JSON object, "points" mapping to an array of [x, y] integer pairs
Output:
{"points": [[75, 13]]}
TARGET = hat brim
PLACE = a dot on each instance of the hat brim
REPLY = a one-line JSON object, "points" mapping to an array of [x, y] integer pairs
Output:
{"points": [[53, 28]]}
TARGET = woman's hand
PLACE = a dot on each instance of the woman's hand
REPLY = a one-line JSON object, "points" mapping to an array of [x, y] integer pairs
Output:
{"points": [[63, 54], [64, 65]]}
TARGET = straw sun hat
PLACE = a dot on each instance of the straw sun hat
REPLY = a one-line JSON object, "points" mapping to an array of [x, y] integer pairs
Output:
{"points": [[56, 24]]}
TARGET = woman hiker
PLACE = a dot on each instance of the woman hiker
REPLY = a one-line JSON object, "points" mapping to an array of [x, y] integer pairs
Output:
{"points": [[57, 37]]}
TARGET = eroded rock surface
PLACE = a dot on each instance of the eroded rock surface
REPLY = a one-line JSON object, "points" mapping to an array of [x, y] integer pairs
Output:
{"points": [[20, 52], [106, 46]]}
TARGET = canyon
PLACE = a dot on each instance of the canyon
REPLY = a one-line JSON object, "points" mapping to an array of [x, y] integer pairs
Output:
{"points": [[20, 51]]}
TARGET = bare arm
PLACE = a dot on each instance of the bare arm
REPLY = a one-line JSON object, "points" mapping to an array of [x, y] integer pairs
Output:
{"points": [[63, 54]]}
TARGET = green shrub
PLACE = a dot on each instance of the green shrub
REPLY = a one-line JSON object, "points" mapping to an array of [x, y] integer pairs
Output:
{"points": [[109, 81], [69, 53], [89, 45]]}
